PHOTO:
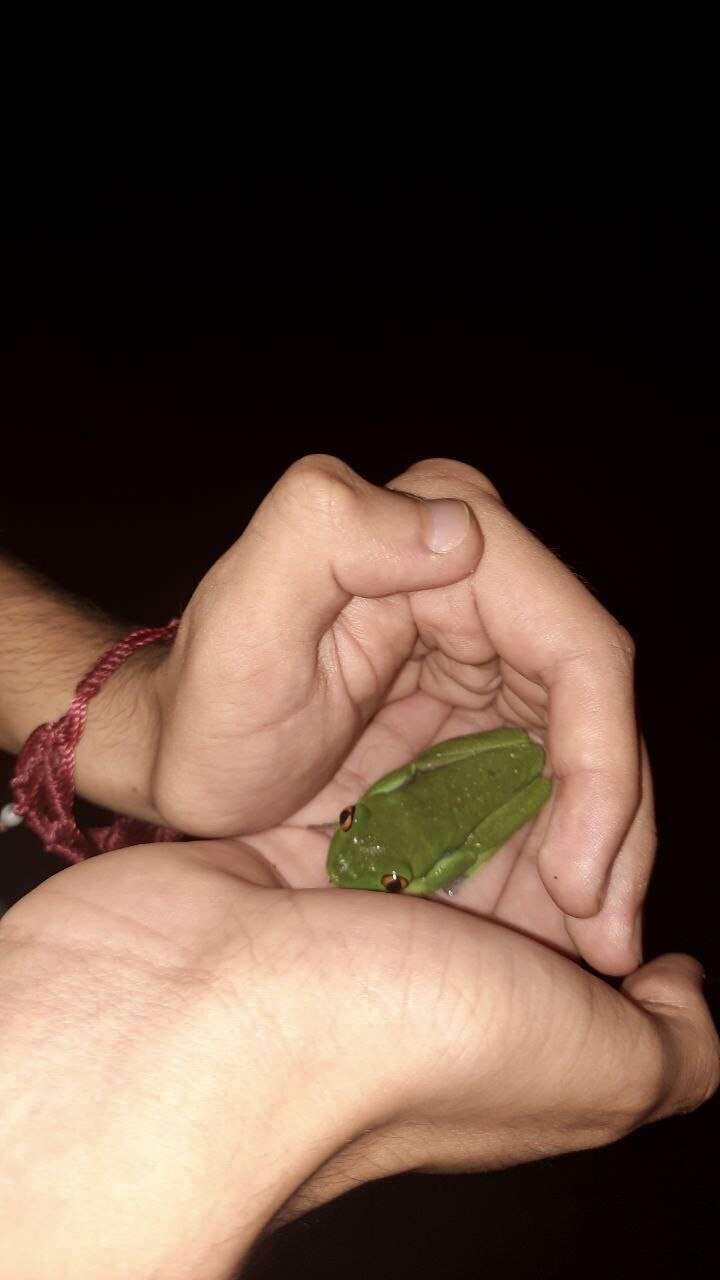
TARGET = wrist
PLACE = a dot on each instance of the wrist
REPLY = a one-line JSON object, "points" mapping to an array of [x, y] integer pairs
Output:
{"points": [[48, 642], [115, 758]]}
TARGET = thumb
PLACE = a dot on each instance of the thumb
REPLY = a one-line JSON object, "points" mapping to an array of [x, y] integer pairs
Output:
{"points": [[674, 981], [253, 722], [670, 990], [324, 534]]}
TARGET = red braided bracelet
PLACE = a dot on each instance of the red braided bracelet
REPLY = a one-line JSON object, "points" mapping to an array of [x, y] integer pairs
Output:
{"points": [[43, 784]]}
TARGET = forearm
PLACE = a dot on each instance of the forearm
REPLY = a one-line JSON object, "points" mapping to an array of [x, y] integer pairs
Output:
{"points": [[146, 1130], [101, 1172], [48, 641]]}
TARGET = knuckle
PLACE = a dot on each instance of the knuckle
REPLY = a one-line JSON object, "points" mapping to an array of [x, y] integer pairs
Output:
{"points": [[316, 470], [623, 641], [456, 472], [611, 642], [486, 483], [317, 484], [707, 1077]]}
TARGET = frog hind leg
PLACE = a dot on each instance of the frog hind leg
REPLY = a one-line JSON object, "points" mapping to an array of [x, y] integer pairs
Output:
{"points": [[485, 839], [476, 744], [491, 834]]}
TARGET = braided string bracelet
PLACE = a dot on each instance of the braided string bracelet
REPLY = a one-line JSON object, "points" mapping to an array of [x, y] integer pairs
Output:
{"points": [[43, 784]]}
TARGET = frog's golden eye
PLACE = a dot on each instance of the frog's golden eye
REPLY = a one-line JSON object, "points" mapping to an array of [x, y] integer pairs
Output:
{"points": [[394, 883], [346, 817]]}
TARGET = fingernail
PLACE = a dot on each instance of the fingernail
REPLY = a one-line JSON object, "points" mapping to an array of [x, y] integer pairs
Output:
{"points": [[447, 521]]}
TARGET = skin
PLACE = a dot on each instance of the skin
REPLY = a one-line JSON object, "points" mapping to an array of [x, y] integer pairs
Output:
{"points": [[331, 644], [229, 1043], [422, 827], [334, 641], [184, 1034]]}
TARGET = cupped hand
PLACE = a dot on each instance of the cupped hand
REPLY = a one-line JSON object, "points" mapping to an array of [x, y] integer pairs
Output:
{"points": [[332, 643], [190, 1050]]}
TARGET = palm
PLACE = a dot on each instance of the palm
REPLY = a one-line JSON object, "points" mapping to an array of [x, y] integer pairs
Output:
{"points": [[508, 888], [294, 698]]}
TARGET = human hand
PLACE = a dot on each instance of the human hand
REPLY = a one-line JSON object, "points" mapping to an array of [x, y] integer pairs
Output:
{"points": [[329, 645], [190, 1051]]}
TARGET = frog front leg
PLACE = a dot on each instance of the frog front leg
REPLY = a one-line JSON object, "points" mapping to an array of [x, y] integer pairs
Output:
{"points": [[451, 867], [485, 839]]}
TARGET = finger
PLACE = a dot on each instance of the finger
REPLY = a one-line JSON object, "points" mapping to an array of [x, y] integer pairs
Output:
{"points": [[669, 989], [323, 535], [524, 902], [593, 742], [447, 620], [260, 672], [611, 941], [544, 623], [548, 626]]}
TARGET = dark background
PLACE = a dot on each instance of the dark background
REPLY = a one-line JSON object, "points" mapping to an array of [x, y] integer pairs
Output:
{"points": [[174, 335]]}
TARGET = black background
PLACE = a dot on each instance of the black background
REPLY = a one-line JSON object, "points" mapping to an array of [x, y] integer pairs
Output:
{"points": [[175, 334]]}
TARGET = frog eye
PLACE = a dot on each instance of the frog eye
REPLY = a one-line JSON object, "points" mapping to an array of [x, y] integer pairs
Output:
{"points": [[346, 817], [394, 883]]}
